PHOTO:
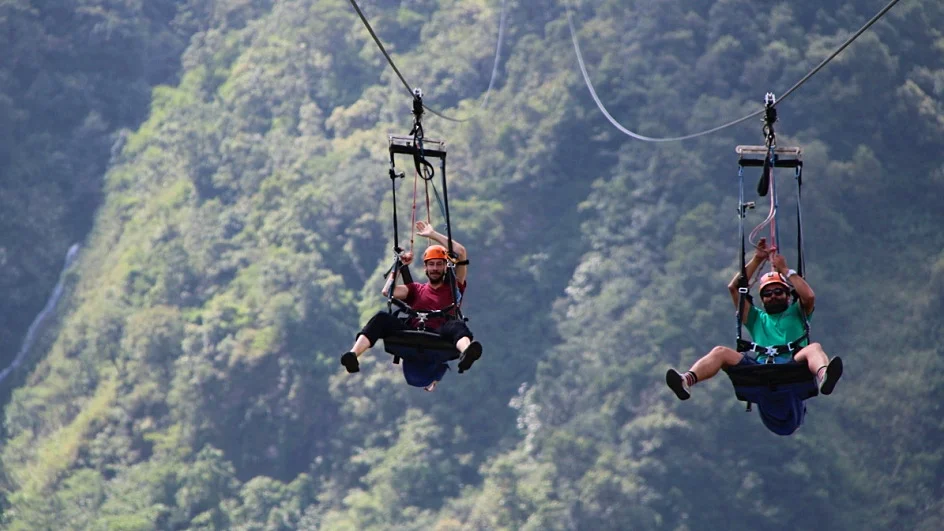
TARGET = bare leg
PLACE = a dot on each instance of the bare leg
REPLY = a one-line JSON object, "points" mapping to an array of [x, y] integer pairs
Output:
{"points": [[711, 363], [380, 326], [703, 369], [463, 344], [361, 344], [471, 351], [814, 357], [827, 372], [349, 359]]}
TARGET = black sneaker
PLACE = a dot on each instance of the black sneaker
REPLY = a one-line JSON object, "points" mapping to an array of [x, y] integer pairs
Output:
{"points": [[349, 360], [833, 373], [469, 355], [676, 383]]}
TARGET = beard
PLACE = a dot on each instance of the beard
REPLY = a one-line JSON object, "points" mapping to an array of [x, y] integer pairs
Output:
{"points": [[776, 307], [435, 278]]}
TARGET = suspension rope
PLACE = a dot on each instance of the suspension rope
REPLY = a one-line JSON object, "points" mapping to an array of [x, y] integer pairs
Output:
{"points": [[429, 219], [413, 218], [743, 281], [442, 208], [801, 255], [617, 125]]}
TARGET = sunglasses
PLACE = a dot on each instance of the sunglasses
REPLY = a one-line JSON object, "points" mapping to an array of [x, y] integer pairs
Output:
{"points": [[776, 291]]}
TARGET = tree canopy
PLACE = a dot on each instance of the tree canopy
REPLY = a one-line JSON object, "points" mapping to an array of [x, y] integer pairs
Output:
{"points": [[225, 164]]}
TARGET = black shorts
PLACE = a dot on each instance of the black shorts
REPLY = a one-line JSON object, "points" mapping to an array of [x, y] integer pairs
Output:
{"points": [[384, 324]]}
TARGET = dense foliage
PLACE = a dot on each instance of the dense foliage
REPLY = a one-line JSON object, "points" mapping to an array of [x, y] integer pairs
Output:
{"points": [[72, 74], [192, 381]]}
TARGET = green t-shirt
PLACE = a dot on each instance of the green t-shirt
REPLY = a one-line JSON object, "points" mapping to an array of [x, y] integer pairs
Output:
{"points": [[769, 330]]}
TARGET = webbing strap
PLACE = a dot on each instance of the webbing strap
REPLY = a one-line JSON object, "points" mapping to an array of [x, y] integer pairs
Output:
{"points": [[742, 280], [446, 206], [393, 187], [801, 256], [413, 216], [773, 350], [439, 201], [429, 218]]}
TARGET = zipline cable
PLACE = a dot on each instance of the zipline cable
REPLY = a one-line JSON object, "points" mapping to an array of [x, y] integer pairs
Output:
{"points": [[637, 136], [586, 78], [855, 36], [383, 50]]}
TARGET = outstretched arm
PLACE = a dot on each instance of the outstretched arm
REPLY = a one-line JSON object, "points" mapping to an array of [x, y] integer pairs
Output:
{"points": [[425, 229], [760, 254], [804, 291]]}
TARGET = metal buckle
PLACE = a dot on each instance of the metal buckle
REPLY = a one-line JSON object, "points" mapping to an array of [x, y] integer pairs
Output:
{"points": [[421, 318], [771, 353]]}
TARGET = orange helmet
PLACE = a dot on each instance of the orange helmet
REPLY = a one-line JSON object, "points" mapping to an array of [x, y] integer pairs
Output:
{"points": [[772, 277], [434, 252]]}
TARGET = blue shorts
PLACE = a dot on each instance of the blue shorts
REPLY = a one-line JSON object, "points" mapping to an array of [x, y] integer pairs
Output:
{"points": [[781, 406]]}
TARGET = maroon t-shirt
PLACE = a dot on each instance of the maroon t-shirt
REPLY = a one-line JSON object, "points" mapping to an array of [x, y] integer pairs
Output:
{"points": [[423, 297]]}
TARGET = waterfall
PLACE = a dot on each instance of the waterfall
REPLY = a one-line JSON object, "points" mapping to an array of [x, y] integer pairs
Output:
{"points": [[38, 321]]}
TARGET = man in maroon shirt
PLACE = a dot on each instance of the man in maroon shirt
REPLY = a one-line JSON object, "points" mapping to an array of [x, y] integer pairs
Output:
{"points": [[432, 295]]}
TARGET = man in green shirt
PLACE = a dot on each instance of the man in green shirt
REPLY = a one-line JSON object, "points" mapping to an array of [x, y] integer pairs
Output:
{"points": [[780, 323]]}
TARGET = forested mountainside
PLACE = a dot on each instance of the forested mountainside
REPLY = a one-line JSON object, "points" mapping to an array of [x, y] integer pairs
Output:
{"points": [[72, 75], [191, 378]]}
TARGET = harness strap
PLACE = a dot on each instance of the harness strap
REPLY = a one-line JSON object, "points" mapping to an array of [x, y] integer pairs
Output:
{"points": [[393, 185], [774, 350], [429, 218], [413, 215], [743, 286], [801, 256]]}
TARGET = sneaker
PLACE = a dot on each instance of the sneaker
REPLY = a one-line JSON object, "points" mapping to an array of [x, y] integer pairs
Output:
{"points": [[469, 355], [833, 373], [676, 383], [431, 387], [349, 360]]}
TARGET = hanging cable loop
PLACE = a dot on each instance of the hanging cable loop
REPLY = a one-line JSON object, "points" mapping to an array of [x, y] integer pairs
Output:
{"points": [[637, 136]]}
